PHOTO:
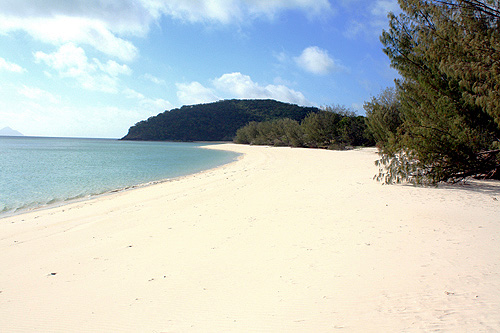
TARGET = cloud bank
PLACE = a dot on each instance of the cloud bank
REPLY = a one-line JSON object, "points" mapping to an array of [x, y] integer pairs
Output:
{"points": [[195, 93], [34, 93], [372, 23], [70, 61], [236, 11], [106, 24], [238, 86], [10, 66]]}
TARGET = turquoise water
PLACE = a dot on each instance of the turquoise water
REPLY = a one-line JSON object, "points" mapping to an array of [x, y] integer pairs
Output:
{"points": [[36, 172]]}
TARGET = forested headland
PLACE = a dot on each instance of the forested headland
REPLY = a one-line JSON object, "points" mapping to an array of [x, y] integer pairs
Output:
{"points": [[216, 121], [258, 122]]}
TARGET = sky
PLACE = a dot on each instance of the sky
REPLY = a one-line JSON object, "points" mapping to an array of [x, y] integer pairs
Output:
{"points": [[93, 68]]}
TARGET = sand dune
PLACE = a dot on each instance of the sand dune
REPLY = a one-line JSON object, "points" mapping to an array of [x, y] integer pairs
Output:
{"points": [[283, 240]]}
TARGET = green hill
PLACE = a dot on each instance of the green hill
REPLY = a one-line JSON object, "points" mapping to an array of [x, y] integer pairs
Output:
{"points": [[216, 121]]}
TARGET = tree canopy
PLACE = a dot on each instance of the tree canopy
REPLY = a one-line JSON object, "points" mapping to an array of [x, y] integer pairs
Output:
{"points": [[335, 127], [444, 120]]}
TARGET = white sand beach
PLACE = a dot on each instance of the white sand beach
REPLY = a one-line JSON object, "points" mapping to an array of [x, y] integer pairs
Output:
{"points": [[283, 240]]}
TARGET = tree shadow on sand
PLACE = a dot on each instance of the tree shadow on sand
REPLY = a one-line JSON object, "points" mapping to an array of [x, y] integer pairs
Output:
{"points": [[488, 187]]}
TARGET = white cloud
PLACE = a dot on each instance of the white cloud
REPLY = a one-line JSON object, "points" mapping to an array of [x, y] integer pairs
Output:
{"points": [[317, 61], [311, 7], [155, 105], [113, 68], [34, 93], [132, 94], [230, 11], [285, 94], [282, 57], [71, 61], [10, 66], [151, 105], [154, 79], [80, 30], [383, 7], [100, 24], [354, 28], [194, 93], [373, 21], [122, 15], [242, 86], [84, 22], [104, 24], [236, 85], [222, 11]]}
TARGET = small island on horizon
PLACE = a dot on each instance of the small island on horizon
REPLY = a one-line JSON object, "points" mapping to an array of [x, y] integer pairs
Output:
{"points": [[7, 131]]}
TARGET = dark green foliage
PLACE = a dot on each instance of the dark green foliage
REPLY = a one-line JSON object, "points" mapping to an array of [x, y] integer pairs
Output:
{"points": [[384, 118], [336, 128], [278, 132], [213, 121], [321, 129], [354, 132], [448, 53]]}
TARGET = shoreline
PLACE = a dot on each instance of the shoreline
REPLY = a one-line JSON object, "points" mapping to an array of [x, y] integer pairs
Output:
{"points": [[283, 239], [59, 203]]}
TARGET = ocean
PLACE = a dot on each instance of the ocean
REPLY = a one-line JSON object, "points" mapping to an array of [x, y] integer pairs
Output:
{"points": [[38, 171]]}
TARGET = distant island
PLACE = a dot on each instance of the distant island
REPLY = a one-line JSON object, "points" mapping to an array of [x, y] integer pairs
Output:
{"points": [[7, 131], [216, 121]]}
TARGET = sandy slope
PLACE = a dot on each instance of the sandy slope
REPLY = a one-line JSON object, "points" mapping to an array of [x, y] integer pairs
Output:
{"points": [[282, 240]]}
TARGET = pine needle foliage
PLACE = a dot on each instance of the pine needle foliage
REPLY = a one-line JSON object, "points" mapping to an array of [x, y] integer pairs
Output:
{"points": [[448, 100]]}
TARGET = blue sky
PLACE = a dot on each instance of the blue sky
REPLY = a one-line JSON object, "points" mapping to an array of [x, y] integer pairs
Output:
{"points": [[93, 68]]}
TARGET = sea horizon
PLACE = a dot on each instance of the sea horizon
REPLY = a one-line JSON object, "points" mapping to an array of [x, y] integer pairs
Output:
{"points": [[39, 172], [102, 138]]}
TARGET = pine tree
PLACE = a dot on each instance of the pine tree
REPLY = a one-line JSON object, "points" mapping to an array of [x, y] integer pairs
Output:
{"points": [[384, 118], [448, 53]]}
